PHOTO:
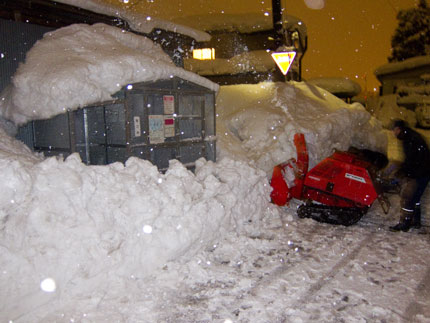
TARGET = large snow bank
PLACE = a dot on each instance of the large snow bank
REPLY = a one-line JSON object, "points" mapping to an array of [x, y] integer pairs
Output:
{"points": [[89, 228], [79, 65], [138, 21], [258, 123]]}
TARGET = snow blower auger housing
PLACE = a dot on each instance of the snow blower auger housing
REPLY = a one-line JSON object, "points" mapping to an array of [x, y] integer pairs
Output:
{"points": [[339, 190]]}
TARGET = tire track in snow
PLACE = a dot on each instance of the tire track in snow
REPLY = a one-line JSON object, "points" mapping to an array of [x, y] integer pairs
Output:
{"points": [[315, 287], [419, 305], [339, 232]]}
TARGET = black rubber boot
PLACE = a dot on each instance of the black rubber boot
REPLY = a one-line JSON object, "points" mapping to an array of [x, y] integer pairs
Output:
{"points": [[416, 219], [405, 222]]}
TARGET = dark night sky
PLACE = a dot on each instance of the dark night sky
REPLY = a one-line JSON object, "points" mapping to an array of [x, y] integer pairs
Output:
{"points": [[348, 38]]}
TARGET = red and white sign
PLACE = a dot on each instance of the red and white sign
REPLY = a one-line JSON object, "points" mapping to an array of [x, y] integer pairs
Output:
{"points": [[169, 104]]}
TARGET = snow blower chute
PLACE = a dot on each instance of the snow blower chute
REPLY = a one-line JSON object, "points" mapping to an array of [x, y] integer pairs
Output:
{"points": [[338, 190]]}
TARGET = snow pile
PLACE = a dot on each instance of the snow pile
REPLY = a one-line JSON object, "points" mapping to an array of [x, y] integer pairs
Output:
{"points": [[138, 21], [79, 65], [83, 226], [83, 241], [255, 61], [258, 123]]}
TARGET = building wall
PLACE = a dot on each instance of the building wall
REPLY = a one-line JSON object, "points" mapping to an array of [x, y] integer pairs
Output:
{"points": [[16, 38]]}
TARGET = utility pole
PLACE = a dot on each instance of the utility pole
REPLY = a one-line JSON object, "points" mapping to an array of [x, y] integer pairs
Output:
{"points": [[277, 22], [278, 34]]}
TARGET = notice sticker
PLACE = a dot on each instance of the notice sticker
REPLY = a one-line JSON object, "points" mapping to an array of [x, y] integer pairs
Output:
{"points": [[137, 130], [156, 129], [169, 126], [169, 104]]}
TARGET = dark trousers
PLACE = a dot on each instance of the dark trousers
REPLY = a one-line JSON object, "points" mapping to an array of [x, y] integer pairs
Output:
{"points": [[412, 191]]}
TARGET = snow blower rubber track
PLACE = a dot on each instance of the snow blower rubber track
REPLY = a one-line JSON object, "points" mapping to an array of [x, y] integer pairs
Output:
{"points": [[330, 214]]}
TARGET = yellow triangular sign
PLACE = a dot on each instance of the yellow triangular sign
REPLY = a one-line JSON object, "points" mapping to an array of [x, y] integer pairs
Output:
{"points": [[284, 60]]}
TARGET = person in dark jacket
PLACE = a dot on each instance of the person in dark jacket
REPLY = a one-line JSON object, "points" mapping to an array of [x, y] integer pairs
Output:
{"points": [[414, 173]]}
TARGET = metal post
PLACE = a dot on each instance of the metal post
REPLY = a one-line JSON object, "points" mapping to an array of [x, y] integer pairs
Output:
{"points": [[277, 22], [278, 34]]}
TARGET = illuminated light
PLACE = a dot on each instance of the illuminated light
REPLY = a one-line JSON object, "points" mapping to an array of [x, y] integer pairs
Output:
{"points": [[129, 87], [48, 285], [1, 55], [204, 53], [284, 60], [148, 18], [267, 14], [125, 1], [147, 229], [160, 180]]}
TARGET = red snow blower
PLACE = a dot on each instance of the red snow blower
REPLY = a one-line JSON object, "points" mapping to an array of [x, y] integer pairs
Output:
{"points": [[339, 190]]}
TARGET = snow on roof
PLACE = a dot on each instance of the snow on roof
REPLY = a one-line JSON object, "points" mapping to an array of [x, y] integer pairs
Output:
{"points": [[254, 61], [337, 85], [413, 99], [407, 64], [79, 65], [244, 23], [137, 21]]}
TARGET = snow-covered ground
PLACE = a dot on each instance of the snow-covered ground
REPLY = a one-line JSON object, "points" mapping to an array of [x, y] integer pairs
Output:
{"points": [[124, 243]]}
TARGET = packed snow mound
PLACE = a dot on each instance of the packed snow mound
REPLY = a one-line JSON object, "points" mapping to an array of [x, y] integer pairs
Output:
{"points": [[86, 228], [258, 123], [79, 65]]}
